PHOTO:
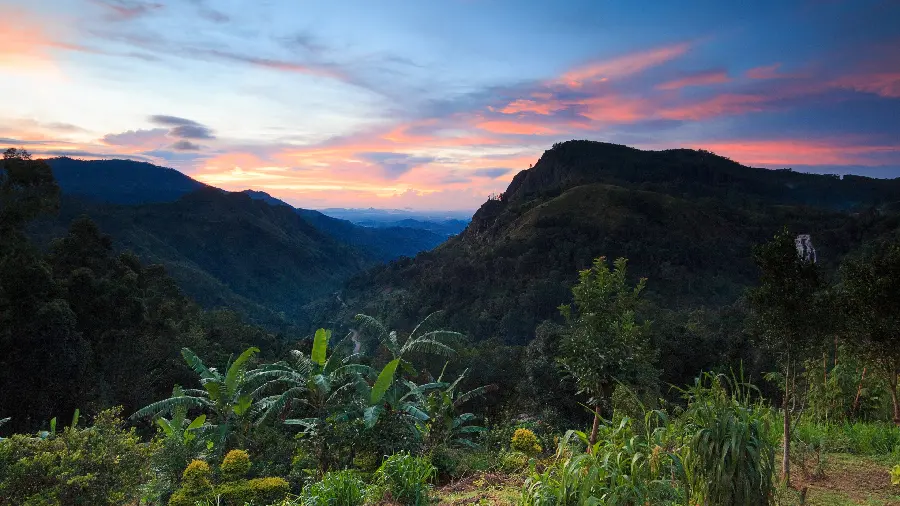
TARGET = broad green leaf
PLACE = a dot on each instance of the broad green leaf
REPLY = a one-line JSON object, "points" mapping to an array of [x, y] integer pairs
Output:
{"points": [[320, 346], [384, 381], [243, 404], [165, 426], [197, 423], [371, 415], [234, 372]]}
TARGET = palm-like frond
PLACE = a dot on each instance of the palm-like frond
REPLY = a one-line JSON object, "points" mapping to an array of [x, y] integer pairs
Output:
{"points": [[167, 405], [471, 394], [196, 364], [236, 370], [412, 334], [427, 345]]}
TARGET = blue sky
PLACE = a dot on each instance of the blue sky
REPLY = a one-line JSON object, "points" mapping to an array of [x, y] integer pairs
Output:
{"points": [[434, 105]]}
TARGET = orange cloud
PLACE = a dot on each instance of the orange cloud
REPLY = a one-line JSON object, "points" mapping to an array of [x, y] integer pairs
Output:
{"points": [[28, 43], [524, 105], [719, 105], [617, 109], [622, 66], [514, 127], [799, 152], [702, 79]]}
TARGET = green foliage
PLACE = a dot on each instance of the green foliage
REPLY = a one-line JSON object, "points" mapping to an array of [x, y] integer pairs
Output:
{"points": [[254, 491], [103, 464], [523, 440], [385, 378], [860, 438], [871, 304], [407, 478], [729, 456], [605, 343], [197, 486], [622, 468], [895, 475], [235, 465], [226, 398], [337, 488], [513, 461]]}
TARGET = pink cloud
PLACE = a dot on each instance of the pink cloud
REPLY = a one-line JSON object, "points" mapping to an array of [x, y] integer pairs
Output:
{"points": [[884, 84], [514, 127], [701, 79], [785, 152], [622, 66], [524, 105], [719, 105]]}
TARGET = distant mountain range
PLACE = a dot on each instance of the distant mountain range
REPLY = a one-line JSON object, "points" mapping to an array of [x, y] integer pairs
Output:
{"points": [[245, 250], [446, 223]]}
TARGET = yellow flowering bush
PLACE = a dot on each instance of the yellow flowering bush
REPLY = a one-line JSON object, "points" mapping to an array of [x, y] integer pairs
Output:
{"points": [[235, 465], [523, 440]]}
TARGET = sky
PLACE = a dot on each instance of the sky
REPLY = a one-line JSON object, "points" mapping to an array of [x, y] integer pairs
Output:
{"points": [[435, 105]]}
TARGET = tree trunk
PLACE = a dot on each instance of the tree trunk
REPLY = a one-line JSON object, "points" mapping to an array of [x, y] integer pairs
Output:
{"points": [[593, 438], [858, 391], [786, 440]]}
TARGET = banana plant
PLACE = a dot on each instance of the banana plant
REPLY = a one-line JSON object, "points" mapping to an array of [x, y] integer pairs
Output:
{"points": [[321, 388], [418, 341], [315, 384], [180, 427], [442, 405], [225, 398]]}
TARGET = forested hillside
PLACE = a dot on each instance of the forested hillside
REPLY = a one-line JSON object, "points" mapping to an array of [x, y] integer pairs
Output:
{"points": [[686, 220], [245, 251]]}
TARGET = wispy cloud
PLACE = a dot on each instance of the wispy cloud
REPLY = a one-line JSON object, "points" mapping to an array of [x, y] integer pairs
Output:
{"points": [[125, 10], [183, 128], [699, 79]]}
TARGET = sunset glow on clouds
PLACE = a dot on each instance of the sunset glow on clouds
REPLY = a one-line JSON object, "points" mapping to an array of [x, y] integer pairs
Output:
{"points": [[393, 108]]}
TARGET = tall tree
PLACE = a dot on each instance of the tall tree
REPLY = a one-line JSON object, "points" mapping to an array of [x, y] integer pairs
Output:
{"points": [[27, 189], [604, 344], [789, 310], [871, 302]]}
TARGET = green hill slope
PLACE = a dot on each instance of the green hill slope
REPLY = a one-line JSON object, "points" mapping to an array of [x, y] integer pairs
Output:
{"points": [[687, 220]]}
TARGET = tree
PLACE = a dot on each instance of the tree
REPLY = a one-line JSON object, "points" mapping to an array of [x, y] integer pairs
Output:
{"points": [[226, 397], [604, 344], [789, 309], [319, 389], [442, 404], [27, 189], [870, 297]]}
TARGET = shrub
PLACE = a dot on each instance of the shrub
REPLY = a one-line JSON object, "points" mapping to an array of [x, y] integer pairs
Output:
{"points": [[513, 462], [337, 488], [730, 455], [446, 461], [622, 468], [895, 475], [407, 478], [367, 462], [99, 465], [255, 491], [195, 485], [235, 465], [524, 440]]}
